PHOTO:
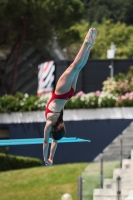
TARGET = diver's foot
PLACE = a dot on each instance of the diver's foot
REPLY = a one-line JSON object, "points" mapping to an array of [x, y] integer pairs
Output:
{"points": [[91, 36]]}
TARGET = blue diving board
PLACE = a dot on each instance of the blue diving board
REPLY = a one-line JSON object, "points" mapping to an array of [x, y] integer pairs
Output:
{"points": [[11, 142]]}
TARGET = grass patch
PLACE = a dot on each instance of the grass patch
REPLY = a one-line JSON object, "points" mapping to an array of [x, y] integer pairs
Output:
{"points": [[39, 183], [50, 183]]}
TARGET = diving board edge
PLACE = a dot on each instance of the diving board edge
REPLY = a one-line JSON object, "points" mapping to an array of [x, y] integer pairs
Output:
{"points": [[13, 142]]}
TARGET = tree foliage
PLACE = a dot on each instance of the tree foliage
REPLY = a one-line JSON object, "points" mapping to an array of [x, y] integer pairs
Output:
{"points": [[35, 22], [118, 11], [119, 33], [42, 18]]}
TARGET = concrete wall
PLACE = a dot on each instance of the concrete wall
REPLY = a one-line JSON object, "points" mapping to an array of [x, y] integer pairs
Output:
{"points": [[99, 128]]}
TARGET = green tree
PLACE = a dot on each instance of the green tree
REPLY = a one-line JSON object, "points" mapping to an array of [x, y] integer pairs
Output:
{"points": [[119, 33], [35, 22], [119, 10]]}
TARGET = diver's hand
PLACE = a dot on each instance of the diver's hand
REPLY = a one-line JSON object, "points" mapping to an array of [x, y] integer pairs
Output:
{"points": [[48, 162]]}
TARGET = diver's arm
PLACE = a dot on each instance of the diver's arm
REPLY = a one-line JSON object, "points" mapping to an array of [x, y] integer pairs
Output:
{"points": [[47, 130], [52, 151]]}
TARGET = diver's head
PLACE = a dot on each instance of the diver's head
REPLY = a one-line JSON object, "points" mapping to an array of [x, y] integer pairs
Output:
{"points": [[58, 130]]}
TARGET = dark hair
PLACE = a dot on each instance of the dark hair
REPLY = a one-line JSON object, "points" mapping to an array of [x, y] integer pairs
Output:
{"points": [[58, 130]]}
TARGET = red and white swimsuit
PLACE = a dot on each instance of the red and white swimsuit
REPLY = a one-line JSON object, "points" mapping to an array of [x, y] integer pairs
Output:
{"points": [[65, 96]]}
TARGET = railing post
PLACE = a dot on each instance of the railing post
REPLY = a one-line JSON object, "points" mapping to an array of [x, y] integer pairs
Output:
{"points": [[118, 188], [101, 170], [121, 150], [80, 188]]}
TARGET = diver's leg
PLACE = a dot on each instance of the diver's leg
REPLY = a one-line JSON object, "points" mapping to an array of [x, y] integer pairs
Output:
{"points": [[64, 83]]}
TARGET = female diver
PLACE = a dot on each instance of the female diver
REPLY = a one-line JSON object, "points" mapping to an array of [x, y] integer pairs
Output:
{"points": [[64, 90]]}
